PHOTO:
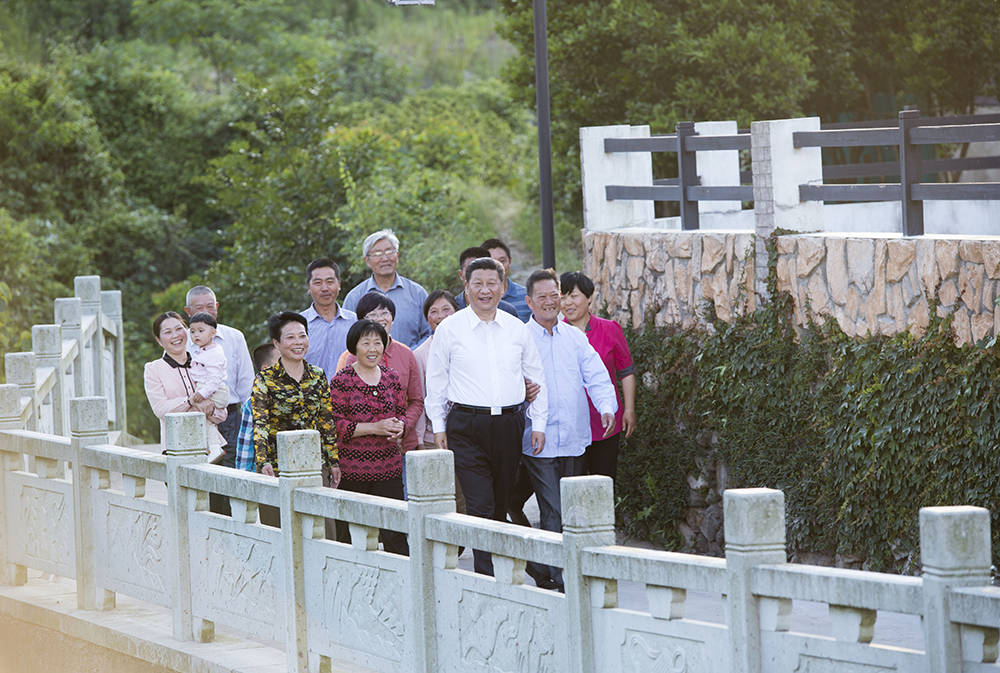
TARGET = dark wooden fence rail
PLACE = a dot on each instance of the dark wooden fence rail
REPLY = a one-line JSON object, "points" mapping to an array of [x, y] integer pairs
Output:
{"points": [[911, 133], [907, 138]]}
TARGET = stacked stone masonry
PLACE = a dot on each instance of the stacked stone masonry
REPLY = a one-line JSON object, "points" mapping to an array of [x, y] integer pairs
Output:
{"points": [[877, 284]]}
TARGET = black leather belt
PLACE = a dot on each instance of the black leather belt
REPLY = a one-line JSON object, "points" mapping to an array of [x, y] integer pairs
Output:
{"points": [[492, 411]]}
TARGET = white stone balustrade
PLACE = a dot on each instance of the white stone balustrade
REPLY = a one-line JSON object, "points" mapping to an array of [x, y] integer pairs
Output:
{"points": [[332, 602], [81, 354]]}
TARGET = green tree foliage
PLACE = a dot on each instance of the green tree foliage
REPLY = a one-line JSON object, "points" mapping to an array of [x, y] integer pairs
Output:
{"points": [[318, 172], [218, 27], [82, 23]]}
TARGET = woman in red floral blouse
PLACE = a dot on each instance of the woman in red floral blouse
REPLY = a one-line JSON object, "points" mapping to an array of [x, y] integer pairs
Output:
{"points": [[369, 405]]}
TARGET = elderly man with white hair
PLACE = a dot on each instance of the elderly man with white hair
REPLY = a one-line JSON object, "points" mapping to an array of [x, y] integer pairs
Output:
{"points": [[381, 252]]}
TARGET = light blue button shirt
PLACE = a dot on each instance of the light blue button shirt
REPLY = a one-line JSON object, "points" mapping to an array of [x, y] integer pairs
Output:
{"points": [[573, 369], [327, 338], [409, 326]]}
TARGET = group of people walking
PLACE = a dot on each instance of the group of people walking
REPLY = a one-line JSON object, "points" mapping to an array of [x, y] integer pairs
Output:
{"points": [[519, 396]]}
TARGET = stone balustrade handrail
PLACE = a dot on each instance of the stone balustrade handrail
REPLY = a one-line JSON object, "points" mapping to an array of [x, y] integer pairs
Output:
{"points": [[80, 354], [331, 601], [222, 480], [840, 586], [496, 537], [359, 508], [126, 461], [659, 568]]}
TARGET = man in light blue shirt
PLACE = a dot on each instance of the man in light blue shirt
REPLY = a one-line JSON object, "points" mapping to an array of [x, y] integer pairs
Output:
{"points": [[573, 370], [514, 294], [328, 322], [381, 251]]}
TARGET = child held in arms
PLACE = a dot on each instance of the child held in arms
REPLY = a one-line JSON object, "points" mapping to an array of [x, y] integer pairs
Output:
{"points": [[208, 370]]}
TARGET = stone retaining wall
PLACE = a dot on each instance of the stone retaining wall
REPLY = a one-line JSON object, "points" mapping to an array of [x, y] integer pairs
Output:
{"points": [[877, 284]]}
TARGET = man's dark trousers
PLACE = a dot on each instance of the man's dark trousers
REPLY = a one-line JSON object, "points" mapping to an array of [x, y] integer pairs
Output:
{"points": [[487, 452], [229, 429]]}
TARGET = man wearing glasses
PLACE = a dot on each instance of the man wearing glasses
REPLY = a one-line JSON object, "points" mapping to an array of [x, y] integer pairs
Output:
{"points": [[381, 252]]}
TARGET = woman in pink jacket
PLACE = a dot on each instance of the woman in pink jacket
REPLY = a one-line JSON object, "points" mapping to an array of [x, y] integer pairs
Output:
{"points": [[168, 380]]}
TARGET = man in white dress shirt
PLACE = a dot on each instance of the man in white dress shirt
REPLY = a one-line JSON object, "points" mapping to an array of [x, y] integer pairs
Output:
{"points": [[478, 362], [573, 370], [239, 377]]}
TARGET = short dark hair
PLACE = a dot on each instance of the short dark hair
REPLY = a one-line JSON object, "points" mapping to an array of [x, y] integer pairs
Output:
{"points": [[576, 279], [204, 318], [163, 317], [277, 322], [321, 263], [472, 253], [537, 277], [262, 354], [439, 294], [374, 301], [363, 328], [491, 243], [487, 263]]}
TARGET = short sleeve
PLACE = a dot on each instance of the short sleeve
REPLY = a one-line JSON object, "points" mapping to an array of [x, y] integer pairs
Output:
{"points": [[624, 366]]}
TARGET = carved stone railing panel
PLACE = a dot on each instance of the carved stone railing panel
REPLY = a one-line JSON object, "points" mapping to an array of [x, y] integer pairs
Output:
{"points": [[237, 574], [359, 602], [130, 534], [39, 514]]}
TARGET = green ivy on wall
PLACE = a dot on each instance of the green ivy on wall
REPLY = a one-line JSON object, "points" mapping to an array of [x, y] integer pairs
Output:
{"points": [[858, 432]]}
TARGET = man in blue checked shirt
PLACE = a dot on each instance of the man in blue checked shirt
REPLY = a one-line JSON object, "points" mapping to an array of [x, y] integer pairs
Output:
{"points": [[263, 356], [573, 370]]}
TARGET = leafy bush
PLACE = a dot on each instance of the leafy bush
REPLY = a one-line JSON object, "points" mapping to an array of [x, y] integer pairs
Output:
{"points": [[858, 432]]}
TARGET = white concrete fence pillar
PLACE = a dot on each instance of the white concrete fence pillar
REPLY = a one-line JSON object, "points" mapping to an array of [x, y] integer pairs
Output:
{"points": [[599, 169], [46, 342], [111, 306], [755, 535], [186, 443], [88, 427], [88, 290], [69, 317], [588, 516], [299, 466], [718, 168], [10, 419], [20, 370], [430, 483], [955, 552], [778, 170]]}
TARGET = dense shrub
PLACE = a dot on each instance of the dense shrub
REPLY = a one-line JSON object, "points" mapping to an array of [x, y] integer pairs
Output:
{"points": [[858, 432]]}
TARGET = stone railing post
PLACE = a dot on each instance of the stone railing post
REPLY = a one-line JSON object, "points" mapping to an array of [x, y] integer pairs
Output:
{"points": [[111, 306], [88, 423], [299, 466], [430, 479], [10, 419], [718, 168], [599, 169], [88, 290], [778, 170], [955, 551], [69, 317], [755, 535], [185, 441], [588, 516], [20, 370], [46, 341]]}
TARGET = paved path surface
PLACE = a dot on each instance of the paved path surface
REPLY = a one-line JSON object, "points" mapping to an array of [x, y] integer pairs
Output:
{"points": [[898, 630]]}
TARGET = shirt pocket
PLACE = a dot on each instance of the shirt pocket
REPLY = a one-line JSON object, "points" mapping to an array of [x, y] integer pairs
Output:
{"points": [[510, 358]]}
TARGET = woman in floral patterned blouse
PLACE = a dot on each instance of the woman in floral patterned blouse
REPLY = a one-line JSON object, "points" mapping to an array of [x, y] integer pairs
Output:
{"points": [[369, 405], [291, 395]]}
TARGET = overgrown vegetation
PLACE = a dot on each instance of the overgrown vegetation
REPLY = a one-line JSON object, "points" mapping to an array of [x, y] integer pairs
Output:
{"points": [[858, 432]]}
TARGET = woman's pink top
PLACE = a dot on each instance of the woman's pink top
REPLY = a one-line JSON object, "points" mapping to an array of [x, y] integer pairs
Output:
{"points": [[608, 339], [168, 388], [399, 358]]}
